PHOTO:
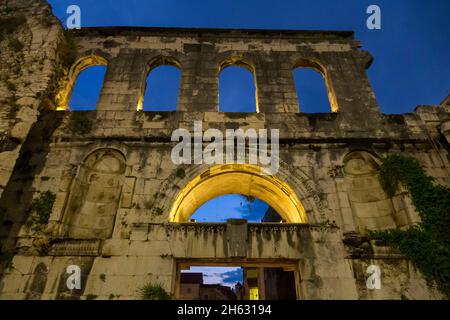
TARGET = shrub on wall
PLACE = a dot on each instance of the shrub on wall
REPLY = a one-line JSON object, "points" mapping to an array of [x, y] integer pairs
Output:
{"points": [[79, 123], [42, 207], [152, 291], [426, 244]]}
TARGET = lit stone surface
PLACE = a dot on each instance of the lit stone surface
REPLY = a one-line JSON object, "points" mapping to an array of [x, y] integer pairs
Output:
{"points": [[121, 210]]}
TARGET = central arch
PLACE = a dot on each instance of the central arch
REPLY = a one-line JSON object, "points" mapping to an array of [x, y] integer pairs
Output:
{"points": [[245, 179]]}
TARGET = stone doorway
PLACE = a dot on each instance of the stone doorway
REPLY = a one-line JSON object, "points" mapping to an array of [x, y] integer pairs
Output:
{"points": [[260, 280]]}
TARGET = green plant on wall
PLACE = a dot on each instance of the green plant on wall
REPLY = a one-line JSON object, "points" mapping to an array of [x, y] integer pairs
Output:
{"points": [[67, 52], [6, 261], [79, 123], [154, 291], [9, 25], [42, 207], [67, 49], [180, 173], [427, 243]]}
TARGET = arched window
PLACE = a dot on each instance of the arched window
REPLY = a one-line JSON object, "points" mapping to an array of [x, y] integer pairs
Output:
{"points": [[312, 91], [235, 206], [81, 90], [86, 91], [162, 89], [237, 179], [237, 89]]}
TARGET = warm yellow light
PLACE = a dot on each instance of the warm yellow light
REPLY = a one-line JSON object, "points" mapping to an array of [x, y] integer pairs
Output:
{"points": [[140, 103], [242, 179], [63, 96], [254, 293]]}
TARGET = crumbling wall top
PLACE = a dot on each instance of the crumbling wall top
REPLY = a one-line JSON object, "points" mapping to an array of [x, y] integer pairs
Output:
{"points": [[217, 32]]}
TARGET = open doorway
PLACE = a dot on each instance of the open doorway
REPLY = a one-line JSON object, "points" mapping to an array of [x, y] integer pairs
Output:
{"points": [[236, 281]]}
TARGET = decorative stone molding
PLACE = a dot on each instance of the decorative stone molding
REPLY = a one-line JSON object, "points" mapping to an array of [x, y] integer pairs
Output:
{"points": [[75, 248]]}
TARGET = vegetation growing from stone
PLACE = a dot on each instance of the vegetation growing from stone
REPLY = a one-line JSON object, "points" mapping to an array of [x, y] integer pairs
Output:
{"points": [[79, 123], [236, 115], [15, 44], [42, 207], [10, 24], [67, 49], [250, 199], [180, 173], [13, 107], [6, 261], [427, 243], [154, 291], [67, 52]]}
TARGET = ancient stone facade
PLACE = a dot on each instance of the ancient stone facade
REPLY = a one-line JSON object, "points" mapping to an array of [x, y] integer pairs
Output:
{"points": [[118, 211]]}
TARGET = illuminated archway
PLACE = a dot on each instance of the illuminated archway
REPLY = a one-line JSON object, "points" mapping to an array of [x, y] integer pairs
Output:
{"points": [[320, 69], [244, 179], [63, 96]]}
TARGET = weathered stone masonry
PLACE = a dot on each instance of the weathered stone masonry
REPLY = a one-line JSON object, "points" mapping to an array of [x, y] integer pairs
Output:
{"points": [[115, 186]]}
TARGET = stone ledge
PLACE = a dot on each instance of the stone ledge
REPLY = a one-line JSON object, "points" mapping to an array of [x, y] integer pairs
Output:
{"points": [[75, 248]]}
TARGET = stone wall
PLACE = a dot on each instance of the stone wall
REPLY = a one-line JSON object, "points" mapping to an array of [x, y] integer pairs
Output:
{"points": [[115, 185]]}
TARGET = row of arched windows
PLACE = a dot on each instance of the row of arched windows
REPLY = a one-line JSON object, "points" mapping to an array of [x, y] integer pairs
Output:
{"points": [[237, 89]]}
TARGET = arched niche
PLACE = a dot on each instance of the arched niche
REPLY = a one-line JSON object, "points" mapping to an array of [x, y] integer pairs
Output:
{"points": [[38, 283], [248, 180], [95, 196], [372, 208]]}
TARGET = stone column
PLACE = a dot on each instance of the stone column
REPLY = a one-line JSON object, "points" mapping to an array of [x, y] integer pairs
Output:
{"points": [[275, 85], [350, 86], [199, 85], [122, 87]]}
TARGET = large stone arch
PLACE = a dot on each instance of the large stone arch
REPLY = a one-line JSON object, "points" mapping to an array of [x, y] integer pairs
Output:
{"points": [[302, 187], [237, 178]]}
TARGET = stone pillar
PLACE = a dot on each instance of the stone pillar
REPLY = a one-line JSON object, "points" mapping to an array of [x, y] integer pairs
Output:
{"points": [[199, 85], [237, 237], [275, 85], [122, 87], [350, 86], [445, 130]]}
